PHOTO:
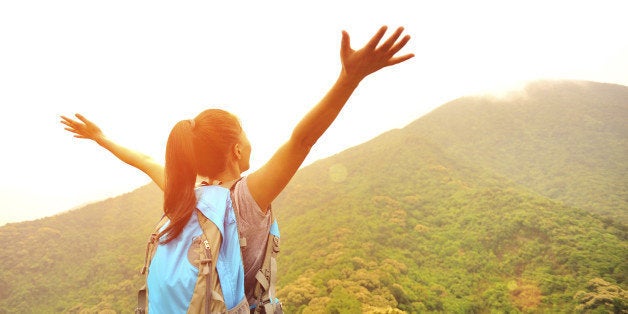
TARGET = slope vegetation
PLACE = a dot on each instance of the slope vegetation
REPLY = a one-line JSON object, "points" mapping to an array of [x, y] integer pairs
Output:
{"points": [[396, 224]]}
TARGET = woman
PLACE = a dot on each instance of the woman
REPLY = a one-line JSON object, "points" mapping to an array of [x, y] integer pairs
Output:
{"points": [[213, 145]]}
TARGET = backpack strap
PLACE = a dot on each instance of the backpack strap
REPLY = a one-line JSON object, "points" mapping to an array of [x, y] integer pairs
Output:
{"points": [[208, 264], [233, 204], [267, 277], [151, 247], [208, 283]]}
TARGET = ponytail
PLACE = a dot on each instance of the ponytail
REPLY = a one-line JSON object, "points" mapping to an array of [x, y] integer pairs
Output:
{"points": [[180, 178], [200, 146]]}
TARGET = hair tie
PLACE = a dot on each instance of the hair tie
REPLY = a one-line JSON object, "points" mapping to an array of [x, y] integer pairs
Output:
{"points": [[192, 123]]}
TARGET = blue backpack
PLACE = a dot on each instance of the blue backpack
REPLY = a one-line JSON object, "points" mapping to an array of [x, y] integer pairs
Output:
{"points": [[217, 254]]}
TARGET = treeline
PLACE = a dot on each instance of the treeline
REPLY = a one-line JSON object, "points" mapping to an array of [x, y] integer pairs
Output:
{"points": [[418, 233]]}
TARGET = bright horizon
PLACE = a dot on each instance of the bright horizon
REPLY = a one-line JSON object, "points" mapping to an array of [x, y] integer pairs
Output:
{"points": [[137, 67]]}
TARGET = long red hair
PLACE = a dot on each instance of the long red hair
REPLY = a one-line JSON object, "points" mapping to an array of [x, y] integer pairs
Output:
{"points": [[200, 146]]}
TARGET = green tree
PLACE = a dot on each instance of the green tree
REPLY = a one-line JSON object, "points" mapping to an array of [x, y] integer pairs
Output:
{"points": [[343, 302], [602, 295]]}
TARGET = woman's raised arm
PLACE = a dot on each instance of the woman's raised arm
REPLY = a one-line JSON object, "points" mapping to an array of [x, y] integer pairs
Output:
{"points": [[268, 181], [84, 128]]}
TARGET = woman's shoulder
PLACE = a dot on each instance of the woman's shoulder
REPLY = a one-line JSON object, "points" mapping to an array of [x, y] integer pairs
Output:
{"points": [[240, 190], [247, 206]]}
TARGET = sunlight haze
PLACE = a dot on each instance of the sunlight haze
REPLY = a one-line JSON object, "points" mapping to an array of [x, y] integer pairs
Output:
{"points": [[137, 67]]}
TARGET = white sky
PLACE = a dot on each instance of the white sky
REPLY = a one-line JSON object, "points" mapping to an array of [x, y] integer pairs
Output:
{"points": [[137, 67]]}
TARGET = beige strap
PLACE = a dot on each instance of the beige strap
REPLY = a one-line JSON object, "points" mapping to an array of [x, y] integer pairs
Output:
{"points": [[262, 280], [207, 272], [233, 204], [241, 308], [207, 263], [141, 301], [273, 276], [271, 308], [151, 247], [217, 296], [267, 275]]}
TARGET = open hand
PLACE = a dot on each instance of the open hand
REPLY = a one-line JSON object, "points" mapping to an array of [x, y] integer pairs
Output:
{"points": [[82, 128], [357, 64]]}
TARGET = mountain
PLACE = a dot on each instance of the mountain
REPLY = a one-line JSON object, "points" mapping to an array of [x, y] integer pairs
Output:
{"points": [[447, 214], [513, 204], [567, 140]]}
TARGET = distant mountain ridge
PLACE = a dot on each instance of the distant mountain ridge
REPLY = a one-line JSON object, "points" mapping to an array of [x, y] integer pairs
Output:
{"points": [[567, 140], [509, 205]]}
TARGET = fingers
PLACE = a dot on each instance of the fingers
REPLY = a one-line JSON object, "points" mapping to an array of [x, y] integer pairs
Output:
{"points": [[82, 128], [394, 49], [400, 59], [392, 39], [82, 118], [74, 123], [76, 133], [393, 45], [345, 44], [66, 120], [74, 126], [69, 122], [398, 45], [372, 44]]}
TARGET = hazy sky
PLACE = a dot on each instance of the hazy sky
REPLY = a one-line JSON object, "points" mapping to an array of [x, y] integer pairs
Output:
{"points": [[137, 67]]}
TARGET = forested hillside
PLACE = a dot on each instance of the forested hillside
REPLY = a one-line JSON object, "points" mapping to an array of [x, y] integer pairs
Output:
{"points": [[397, 224], [83, 260], [484, 205], [512, 203], [567, 140]]}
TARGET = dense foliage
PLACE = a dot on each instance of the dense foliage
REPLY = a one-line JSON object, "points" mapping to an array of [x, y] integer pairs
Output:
{"points": [[434, 236], [83, 260], [484, 205]]}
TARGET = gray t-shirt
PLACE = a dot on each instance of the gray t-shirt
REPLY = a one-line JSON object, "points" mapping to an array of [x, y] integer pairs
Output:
{"points": [[253, 225]]}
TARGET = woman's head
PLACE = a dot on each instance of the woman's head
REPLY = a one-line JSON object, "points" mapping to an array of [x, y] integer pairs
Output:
{"points": [[215, 135], [211, 144]]}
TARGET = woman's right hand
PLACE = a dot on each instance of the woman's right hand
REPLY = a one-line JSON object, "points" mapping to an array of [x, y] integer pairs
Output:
{"points": [[357, 64], [269, 180], [83, 128]]}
